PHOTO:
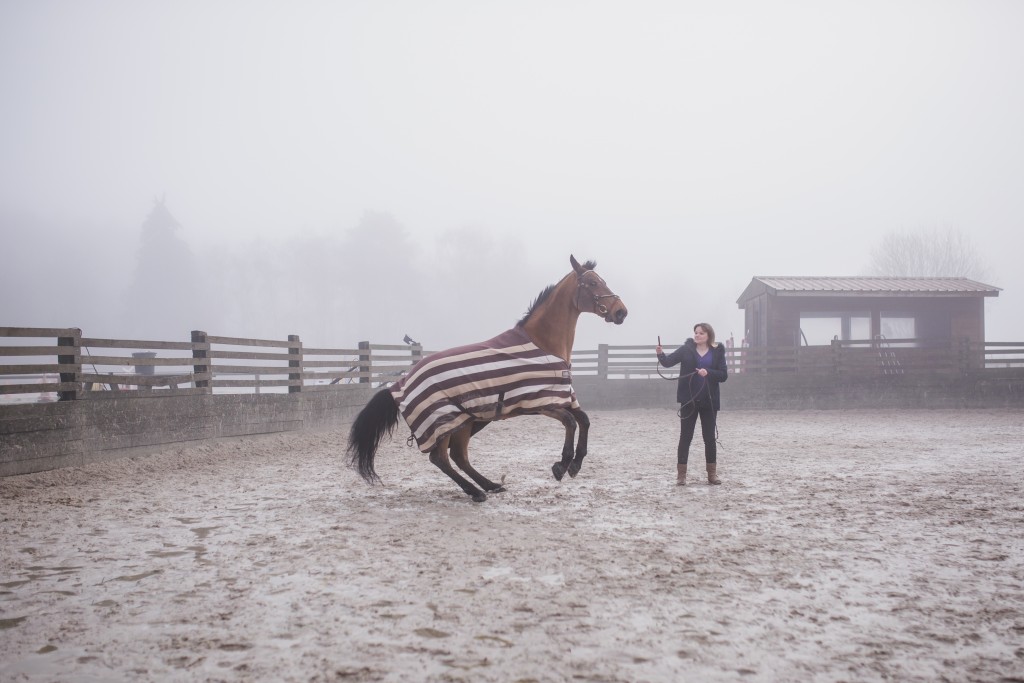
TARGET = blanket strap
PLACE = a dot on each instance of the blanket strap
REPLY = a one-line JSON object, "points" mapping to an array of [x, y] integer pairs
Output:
{"points": [[500, 406]]}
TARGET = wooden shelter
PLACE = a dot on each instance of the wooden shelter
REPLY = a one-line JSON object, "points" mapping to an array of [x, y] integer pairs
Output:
{"points": [[810, 311]]}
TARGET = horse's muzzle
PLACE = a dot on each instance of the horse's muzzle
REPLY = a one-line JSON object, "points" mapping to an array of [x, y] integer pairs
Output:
{"points": [[617, 316]]}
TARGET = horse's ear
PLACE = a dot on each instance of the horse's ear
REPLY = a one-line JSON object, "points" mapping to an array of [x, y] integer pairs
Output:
{"points": [[576, 265]]}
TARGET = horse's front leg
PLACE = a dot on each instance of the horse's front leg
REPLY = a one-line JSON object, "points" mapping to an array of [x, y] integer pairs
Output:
{"points": [[581, 445], [569, 422]]}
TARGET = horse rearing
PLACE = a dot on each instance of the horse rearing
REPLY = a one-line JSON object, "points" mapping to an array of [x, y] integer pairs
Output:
{"points": [[449, 396]]}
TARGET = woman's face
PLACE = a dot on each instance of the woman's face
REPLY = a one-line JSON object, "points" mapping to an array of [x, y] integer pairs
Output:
{"points": [[700, 335]]}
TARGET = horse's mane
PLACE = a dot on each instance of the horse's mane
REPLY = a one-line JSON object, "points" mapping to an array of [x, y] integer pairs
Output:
{"points": [[545, 293]]}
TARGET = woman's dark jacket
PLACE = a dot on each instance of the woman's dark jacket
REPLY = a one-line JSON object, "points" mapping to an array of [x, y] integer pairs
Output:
{"points": [[689, 383]]}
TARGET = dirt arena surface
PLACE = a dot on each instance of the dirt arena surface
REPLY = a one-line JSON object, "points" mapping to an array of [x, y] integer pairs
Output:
{"points": [[842, 546]]}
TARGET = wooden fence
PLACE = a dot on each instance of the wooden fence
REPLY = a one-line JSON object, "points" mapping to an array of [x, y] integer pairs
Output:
{"points": [[61, 364], [841, 359]]}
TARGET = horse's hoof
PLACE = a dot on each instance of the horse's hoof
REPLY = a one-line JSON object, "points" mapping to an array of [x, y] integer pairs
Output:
{"points": [[558, 470], [574, 469], [479, 497]]}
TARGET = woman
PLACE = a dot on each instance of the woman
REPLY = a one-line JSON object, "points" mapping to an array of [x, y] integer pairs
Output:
{"points": [[702, 369]]}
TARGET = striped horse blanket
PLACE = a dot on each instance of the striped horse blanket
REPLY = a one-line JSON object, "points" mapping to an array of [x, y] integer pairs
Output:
{"points": [[492, 380]]}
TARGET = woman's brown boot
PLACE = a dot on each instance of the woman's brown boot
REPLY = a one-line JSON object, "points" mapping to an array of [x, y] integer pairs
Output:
{"points": [[680, 475], [713, 474]]}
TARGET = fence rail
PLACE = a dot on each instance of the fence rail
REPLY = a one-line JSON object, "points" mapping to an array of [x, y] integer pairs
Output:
{"points": [[49, 364]]}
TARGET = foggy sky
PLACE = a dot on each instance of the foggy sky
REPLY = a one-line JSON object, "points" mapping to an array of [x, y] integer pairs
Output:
{"points": [[686, 146]]}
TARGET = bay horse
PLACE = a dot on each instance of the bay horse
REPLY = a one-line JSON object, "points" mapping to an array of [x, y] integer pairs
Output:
{"points": [[449, 396]]}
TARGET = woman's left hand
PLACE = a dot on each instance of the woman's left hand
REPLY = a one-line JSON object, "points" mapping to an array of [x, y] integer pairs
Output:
{"points": [[702, 372]]}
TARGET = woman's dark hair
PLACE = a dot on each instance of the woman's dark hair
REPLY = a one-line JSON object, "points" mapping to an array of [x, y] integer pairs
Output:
{"points": [[710, 331]]}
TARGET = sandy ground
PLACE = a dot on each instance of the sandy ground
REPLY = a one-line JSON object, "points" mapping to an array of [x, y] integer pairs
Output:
{"points": [[842, 546]]}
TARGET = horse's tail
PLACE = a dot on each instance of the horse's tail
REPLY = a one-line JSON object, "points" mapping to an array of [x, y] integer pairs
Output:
{"points": [[376, 419]]}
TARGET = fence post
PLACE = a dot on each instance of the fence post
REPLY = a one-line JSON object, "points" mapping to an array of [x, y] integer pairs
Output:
{"points": [[74, 359], [837, 350], [147, 370], [201, 351], [602, 361], [295, 349], [417, 353], [364, 362], [966, 358]]}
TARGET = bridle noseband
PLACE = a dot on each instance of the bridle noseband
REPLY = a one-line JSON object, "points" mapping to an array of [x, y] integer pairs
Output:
{"points": [[599, 307]]}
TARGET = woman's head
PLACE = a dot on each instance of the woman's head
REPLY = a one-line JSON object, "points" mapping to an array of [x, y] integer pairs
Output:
{"points": [[705, 329]]}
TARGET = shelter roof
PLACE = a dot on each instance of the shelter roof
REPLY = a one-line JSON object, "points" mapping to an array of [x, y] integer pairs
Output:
{"points": [[801, 285]]}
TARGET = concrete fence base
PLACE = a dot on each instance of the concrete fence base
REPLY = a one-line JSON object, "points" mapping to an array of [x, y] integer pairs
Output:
{"points": [[38, 437], [792, 391]]}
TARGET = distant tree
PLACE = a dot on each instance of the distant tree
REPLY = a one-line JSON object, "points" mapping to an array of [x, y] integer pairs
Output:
{"points": [[927, 252], [381, 283], [353, 284], [487, 275], [163, 299]]}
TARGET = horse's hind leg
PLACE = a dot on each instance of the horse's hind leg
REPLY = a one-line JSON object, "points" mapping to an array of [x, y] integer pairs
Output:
{"points": [[459, 450], [439, 456], [581, 446], [569, 422]]}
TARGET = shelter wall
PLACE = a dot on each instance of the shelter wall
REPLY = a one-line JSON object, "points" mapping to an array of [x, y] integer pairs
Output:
{"points": [[938, 318], [783, 322], [754, 321], [968, 320]]}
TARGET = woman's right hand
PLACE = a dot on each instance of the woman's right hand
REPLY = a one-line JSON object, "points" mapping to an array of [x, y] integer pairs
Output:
{"points": [[657, 350]]}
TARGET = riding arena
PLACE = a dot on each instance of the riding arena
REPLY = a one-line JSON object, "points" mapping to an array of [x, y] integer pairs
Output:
{"points": [[873, 540]]}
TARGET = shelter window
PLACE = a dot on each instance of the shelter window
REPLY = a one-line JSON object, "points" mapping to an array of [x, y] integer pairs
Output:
{"points": [[819, 329], [860, 327], [896, 327]]}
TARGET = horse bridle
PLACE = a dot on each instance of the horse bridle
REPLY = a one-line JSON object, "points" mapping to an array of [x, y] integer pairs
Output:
{"points": [[599, 307]]}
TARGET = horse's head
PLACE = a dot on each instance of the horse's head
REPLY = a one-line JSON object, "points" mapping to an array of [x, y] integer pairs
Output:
{"points": [[593, 295]]}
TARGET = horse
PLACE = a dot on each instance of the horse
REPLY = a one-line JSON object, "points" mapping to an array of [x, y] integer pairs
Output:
{"points": [[449, 396]]}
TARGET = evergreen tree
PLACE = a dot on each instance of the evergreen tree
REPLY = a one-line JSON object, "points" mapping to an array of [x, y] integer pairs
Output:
{"points": [[163, 300]]}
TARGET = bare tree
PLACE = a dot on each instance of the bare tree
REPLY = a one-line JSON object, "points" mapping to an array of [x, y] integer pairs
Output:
{"points": [[927, 252]]}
